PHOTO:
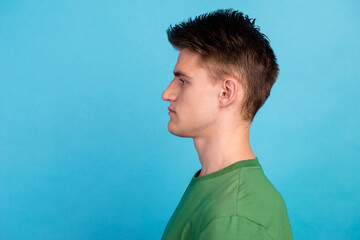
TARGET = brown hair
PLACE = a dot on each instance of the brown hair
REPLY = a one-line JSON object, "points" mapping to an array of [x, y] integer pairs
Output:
{"points": [[229, 43]]}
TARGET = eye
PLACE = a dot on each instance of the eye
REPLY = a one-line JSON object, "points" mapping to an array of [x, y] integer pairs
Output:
{"points": [[183, 82]]}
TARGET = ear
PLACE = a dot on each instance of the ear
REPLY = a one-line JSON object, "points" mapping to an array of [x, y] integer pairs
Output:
{"points": [[229, 91]]}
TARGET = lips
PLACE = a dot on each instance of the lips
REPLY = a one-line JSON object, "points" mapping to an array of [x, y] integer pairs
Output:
{"points": [[170, 109]]}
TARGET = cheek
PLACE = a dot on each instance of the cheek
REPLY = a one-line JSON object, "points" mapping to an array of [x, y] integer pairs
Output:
{"points": [[205, 104]]}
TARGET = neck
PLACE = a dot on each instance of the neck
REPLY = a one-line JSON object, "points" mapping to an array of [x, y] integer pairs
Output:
{"points": [[223, 147]]}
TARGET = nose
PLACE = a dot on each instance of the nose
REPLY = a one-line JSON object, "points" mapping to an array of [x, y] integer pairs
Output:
{"points": [[169, 93]]}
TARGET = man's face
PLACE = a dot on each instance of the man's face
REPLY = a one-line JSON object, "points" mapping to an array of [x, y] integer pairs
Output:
{"points": [[193, 98]]}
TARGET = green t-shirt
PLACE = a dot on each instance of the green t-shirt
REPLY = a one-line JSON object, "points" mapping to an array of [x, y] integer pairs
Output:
{"points": [[236, 202]]}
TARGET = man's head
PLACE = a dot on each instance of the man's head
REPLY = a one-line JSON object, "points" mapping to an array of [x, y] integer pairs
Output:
{"points": [[229, 44]]}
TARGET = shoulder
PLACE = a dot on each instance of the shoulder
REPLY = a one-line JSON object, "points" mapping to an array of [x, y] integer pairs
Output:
{"points": [[259, 201]]}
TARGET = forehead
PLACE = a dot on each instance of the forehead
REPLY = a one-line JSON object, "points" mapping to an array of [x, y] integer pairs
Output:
{"points": [[187, 59]]}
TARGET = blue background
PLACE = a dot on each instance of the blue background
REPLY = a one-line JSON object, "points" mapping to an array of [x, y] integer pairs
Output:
{"points": [[84, 148]]}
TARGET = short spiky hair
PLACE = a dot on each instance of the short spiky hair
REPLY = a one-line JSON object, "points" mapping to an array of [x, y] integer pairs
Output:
{"points": [[229, 43]]}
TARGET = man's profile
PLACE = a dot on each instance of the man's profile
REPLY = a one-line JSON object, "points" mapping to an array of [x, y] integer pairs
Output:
{"points": [[223, 75]]}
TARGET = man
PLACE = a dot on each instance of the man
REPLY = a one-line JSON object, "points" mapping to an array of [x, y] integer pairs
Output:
{"points": [[223, 75]]}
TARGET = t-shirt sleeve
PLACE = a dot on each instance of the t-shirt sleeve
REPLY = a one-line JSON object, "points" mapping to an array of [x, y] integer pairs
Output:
{"points": [[233, 228]]}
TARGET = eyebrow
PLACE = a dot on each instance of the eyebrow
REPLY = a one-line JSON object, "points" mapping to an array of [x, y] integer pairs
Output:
{"points": [[179, 74]]}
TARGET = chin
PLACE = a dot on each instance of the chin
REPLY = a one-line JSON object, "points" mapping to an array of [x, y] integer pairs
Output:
{"points": [[177, 132]]}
